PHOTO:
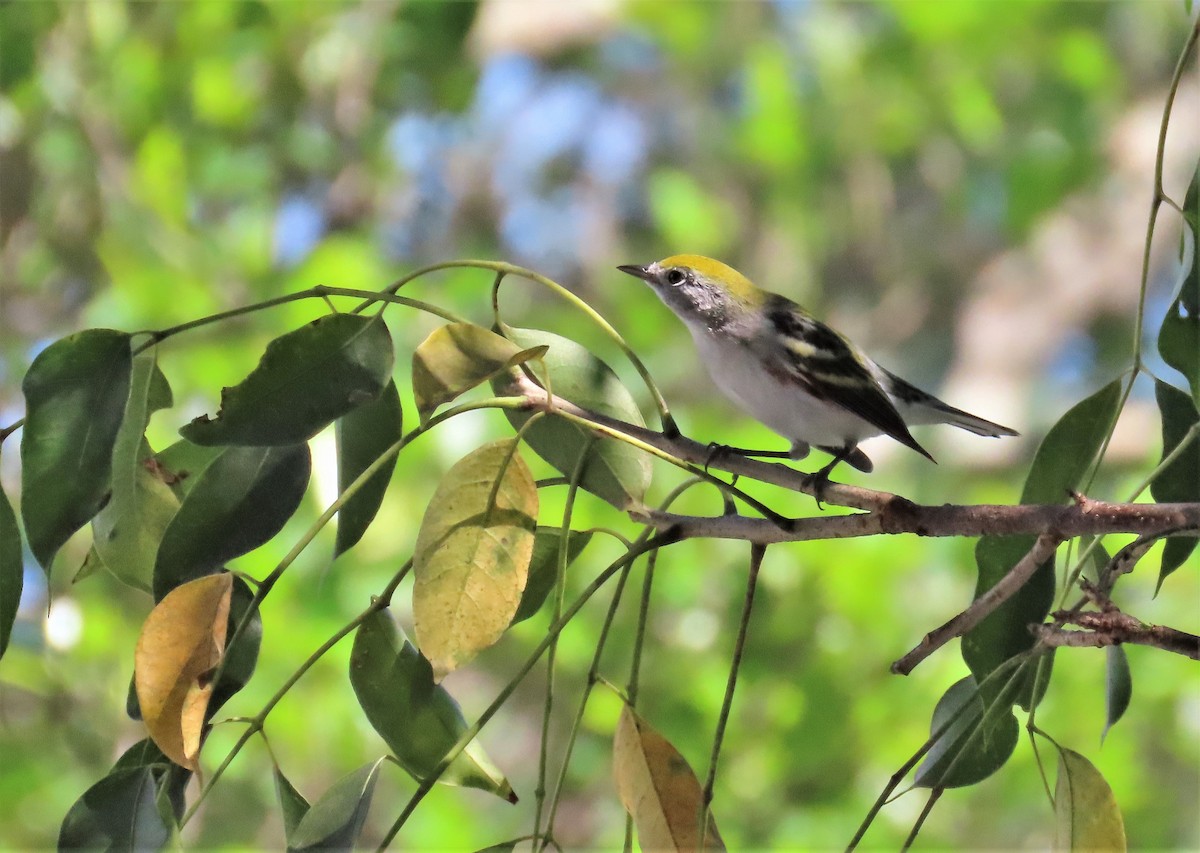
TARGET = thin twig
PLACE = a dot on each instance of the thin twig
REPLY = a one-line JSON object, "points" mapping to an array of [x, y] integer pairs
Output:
{"points": [[979, 609], [739, 646]]}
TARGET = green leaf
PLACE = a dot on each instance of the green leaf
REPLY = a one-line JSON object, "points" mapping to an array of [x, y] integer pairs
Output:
{"points": [[472, 555], [12, 570], [964, 755], [171, 778], [543, 567], [127, 532], [335, 820], [1180, 481], [1179, 337], [241, 659], [1004, 633], [1118, 686], [305, 380], [362, 435], [291, 803], [75, 393], [241, 500], [615, 471], [417, 719], [1062, 460], [1069, 449], [120, 812], [1085, 810], [457, 357]]}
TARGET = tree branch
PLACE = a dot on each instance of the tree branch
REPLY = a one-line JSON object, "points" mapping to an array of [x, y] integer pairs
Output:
{"points": [[1111, 628], [979, 609]]}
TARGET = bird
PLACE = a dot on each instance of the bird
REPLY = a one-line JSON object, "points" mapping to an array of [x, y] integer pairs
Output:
{"points": [[804, 380]]}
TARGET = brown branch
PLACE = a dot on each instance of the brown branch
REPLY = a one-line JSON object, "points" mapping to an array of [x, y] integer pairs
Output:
{"points": [[1087, 518], [978, 610], [1112, 628]]}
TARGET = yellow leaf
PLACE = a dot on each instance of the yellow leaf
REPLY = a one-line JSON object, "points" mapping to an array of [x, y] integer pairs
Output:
{"points": [[1086, 813], [472, 555], [456, 358], [658, 789], [181, 644]]}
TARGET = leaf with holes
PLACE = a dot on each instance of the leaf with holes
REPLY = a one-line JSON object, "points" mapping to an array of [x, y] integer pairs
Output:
{"points": [[418, 720], [658, 789], [362, 436], [1085, 810], [614, 471], [75, 393], [180, 645], [457, 357], [472, 555], [305, 380]]}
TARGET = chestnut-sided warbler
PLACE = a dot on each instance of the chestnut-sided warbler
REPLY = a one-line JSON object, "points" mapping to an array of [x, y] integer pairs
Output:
{"points": [[791, 371]]}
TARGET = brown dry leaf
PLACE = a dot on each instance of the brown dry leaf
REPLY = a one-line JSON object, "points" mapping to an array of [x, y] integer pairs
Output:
{"points": [[181, 644], [472, 555], [658, 789]]}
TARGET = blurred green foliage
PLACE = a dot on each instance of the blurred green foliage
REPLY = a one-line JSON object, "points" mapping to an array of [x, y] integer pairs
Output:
{"points": [[160, 162]]}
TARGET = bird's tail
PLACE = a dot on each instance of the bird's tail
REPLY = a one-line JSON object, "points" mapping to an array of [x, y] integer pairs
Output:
{"points": [[917, 407]]}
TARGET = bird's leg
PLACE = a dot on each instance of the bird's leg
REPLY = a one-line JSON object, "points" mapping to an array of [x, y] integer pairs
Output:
{"points": [[849, 452], [720, 451]]}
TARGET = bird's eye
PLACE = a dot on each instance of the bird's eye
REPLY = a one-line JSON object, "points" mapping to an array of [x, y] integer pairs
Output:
{"points": [[675, 277]]}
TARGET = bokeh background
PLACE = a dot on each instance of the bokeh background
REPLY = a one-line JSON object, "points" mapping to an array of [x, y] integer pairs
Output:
{"points": [[962, 187]]}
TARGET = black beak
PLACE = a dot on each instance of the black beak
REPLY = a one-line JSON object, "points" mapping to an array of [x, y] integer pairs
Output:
{"points": [[636, 271]]}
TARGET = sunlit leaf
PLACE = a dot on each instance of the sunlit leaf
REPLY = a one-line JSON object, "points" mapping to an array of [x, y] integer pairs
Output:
{"points": [[418, 720], [658, 789], [12, 570], [472, 555], [615, 471], [180, 645], [362, 435], [543, 567], [120, 812], [964, 755], [181, 464], [1180, 481], [305, 380], [457, 357], [1118, 686], [291, 803], [127, 532], [334, 821], [1085, 810], [240, 501], [75, 393]]}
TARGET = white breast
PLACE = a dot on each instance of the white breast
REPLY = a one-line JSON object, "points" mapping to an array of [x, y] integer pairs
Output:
{"points": [[787, 409]]}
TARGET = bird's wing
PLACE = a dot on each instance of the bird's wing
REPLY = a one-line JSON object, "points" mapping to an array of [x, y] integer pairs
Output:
{"points": [[831, 369]]}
